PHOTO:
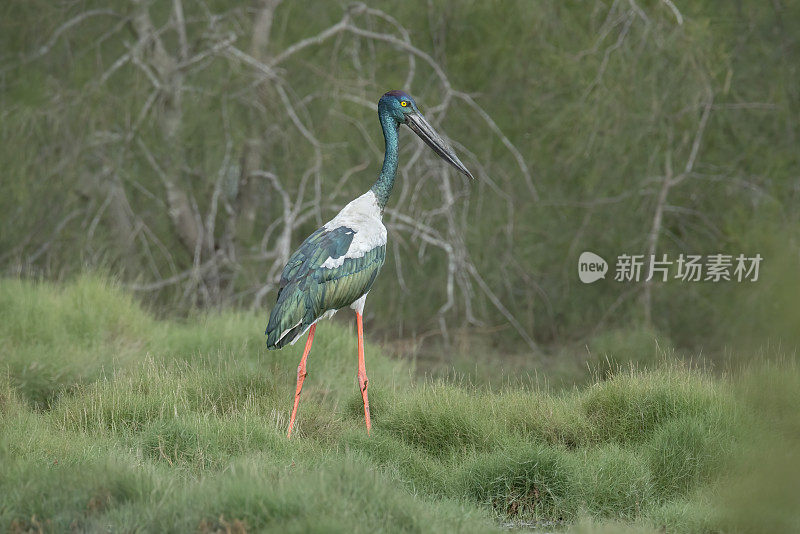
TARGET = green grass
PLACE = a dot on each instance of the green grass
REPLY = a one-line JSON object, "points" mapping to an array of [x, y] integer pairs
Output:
{"points": [[113, 420]]}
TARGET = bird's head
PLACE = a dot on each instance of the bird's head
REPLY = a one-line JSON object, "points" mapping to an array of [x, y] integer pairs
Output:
{"points": [[402, 108]]}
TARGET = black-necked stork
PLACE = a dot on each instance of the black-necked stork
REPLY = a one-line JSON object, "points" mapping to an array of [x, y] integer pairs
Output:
{"points": [[336, 265]]}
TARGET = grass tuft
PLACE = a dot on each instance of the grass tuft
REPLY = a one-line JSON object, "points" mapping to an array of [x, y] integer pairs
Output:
{"points": [[170, 426]]}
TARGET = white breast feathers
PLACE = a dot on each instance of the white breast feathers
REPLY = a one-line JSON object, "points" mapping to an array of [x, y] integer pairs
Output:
{"points": [[363, 215]]}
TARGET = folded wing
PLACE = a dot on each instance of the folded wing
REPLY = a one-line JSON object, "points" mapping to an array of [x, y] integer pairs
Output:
{"points": [[318, 278]]}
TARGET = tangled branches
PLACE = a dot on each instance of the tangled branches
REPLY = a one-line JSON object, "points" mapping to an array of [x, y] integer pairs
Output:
{"points": [[212, 224]]}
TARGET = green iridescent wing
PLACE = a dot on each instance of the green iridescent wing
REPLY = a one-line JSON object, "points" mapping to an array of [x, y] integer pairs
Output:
{"points": [[307, 290]]}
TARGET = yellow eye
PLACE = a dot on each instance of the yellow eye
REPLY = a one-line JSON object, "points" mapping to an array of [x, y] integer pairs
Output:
{"points": [[404, 103]]}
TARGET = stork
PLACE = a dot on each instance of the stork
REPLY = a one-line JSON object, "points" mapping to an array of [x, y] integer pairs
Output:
{"points": [[336, 266]]}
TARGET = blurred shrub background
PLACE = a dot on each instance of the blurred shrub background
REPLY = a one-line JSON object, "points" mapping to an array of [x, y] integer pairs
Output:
{"points": [[188, 147]]}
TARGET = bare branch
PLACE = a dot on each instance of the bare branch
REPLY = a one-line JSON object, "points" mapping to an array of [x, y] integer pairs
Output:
{"points": [[501, 308], [45, 48], [59, 227], [674, 9], [506, 141], [180, 26], [311, 41], [607, 55], [698, 136], [655, 232]]}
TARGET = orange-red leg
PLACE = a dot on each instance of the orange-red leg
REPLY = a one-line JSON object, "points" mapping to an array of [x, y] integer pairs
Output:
{"points": [[301, 375], [362, 370]]}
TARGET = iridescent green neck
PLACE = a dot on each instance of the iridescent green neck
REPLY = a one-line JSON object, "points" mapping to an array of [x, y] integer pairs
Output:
{"points": [[385, 182]]}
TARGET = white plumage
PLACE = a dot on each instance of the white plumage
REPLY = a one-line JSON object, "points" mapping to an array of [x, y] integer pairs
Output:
{"points": [[363, 215]]}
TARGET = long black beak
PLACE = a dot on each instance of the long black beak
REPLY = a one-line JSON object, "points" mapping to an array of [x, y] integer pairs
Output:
{"points": [[425, 131]]}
